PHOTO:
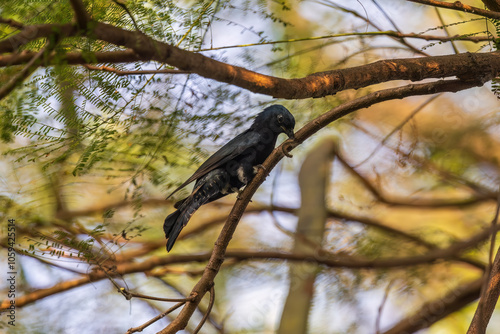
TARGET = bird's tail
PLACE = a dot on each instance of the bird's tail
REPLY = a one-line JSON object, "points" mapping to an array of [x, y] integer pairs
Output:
{"points": [[175, 222]]}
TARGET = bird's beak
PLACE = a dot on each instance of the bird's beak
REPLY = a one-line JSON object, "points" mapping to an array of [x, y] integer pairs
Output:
{"points": [[289, 133]]}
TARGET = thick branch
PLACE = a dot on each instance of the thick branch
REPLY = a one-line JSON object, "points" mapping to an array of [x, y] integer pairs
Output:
{"points": [[484, 65], [11, 22], [315, 85], [493, 5], [488, 300], [436, 310], [457, 5], [34, 32]]}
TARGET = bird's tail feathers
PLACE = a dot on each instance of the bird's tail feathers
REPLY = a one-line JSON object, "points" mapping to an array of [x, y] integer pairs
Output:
{"points": [[175, 222]]}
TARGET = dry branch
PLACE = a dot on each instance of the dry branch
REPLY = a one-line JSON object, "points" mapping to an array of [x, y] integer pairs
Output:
{"points": [[457, 5], [436, 310]]}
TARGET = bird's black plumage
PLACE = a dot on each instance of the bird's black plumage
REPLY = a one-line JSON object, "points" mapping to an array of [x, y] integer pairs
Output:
{"points": [[232, 167]]}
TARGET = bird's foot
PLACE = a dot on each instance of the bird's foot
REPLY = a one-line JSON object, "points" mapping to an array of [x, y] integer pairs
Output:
{"points": [[257, 167], [239, 191], [287, 147]]}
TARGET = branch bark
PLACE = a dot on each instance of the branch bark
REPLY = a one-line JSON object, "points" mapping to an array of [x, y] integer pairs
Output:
{"points": [[488, 300], [457, 5], [436, 310], [464, 66]]}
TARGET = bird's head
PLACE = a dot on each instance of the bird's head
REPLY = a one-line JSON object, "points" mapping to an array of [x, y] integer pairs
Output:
{"points": [[278, 118]]}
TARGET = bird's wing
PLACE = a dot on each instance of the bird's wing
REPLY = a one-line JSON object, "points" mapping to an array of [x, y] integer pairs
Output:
{"points": [[231, 150]]}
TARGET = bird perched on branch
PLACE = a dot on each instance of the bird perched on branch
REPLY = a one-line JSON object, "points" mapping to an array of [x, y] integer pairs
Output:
{"points": [[231, 168]]}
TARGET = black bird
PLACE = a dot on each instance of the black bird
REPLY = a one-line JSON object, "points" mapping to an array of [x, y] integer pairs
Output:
{"points": [[232, 167]]}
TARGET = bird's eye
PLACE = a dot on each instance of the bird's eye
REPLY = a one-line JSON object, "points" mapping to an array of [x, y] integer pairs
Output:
{"points": [[280, 118]]}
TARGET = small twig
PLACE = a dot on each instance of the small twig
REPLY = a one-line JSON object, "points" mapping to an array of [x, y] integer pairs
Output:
{"points": [[155, 319], [389, 33], [445, 28], [207, 313], [287, 147], [122, 5], [493, 235], [129, 295], [120, 73], [397, 128], [381, 307]]}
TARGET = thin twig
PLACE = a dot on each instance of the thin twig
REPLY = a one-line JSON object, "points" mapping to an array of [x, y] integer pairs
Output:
{"points": [[396, 129], [122, 5], [381, 307], [121, 73], [129, 295], [155, 319], [207, 313], [445, 28], [389, 33]]}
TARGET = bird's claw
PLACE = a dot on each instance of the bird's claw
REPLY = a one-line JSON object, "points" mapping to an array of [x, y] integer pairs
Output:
{"points": [[257, 167], [239, 191], [286, 148]]}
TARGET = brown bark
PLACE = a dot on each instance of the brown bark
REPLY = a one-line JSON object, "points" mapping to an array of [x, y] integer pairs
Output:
{"points": [[493, 5], [438, 309], [481, 67], [457, 5], [488, 300]]}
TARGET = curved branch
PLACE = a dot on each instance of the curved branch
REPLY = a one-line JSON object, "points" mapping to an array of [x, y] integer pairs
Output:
{"points": [[314, 85], [436, 310], [464, 66]]}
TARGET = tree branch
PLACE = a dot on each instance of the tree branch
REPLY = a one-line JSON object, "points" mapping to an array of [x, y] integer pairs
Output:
{"points": [[436, 310], [315, 85], [457, 5], [490, 290], [73, 58], [488, 301], [27, 70], [34, 32]]}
